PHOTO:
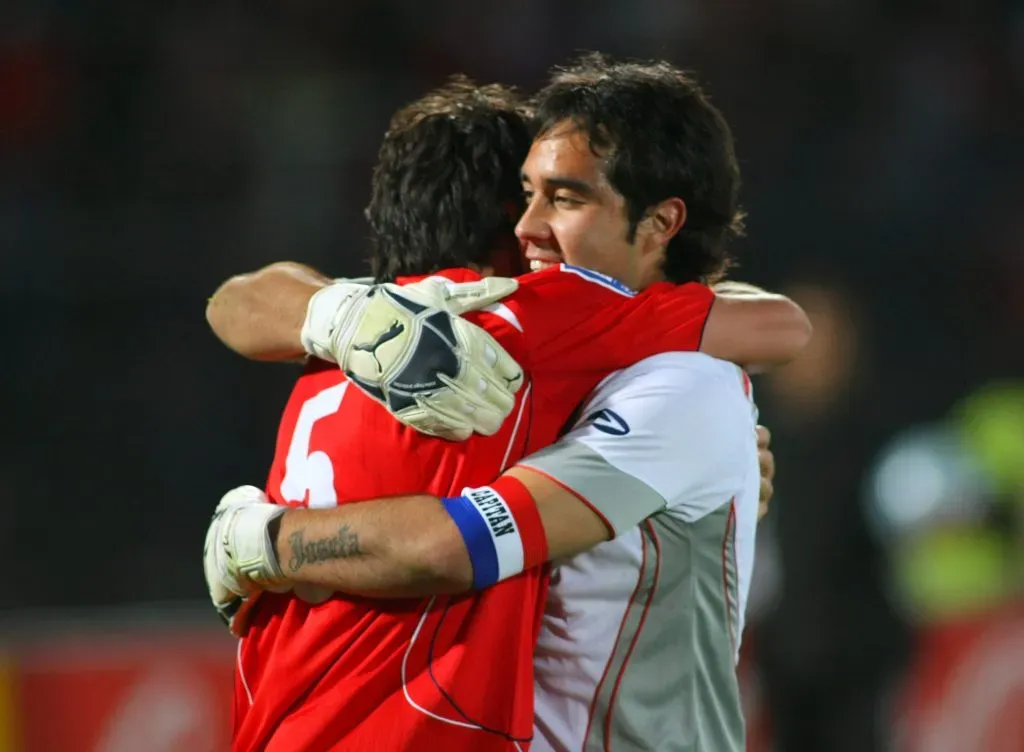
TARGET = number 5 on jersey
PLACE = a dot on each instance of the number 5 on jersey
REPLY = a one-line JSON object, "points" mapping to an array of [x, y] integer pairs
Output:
{"points": [[306, 472]]}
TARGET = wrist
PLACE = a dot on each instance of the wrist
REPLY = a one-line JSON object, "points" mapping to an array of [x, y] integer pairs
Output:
{"points": [[274, 534], [330, 311], [252, 544]]}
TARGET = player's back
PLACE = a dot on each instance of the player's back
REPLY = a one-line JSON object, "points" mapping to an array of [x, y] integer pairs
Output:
{"points": [[456, 672], [385, 674]]}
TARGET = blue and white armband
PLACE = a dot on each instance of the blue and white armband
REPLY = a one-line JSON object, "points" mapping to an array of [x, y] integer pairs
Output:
{"points": [[502, 529]]}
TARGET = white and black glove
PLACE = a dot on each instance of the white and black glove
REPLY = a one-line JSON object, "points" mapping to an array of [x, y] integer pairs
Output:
{"points": [[406, 347], [238, 556]]}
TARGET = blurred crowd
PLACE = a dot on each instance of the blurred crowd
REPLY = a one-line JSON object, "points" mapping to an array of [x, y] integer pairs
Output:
{"points": [[149, 150]]}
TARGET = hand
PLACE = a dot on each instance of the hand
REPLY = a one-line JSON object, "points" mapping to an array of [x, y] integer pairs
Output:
{"points": [[407, 348], [238, 555], [767, 462]]}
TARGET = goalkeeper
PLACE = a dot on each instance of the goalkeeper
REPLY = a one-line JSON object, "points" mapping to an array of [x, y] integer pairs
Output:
{"points": [[319, 672]]}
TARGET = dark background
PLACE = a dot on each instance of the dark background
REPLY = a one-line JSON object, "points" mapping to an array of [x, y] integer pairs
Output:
{"points": [[150, 150]]}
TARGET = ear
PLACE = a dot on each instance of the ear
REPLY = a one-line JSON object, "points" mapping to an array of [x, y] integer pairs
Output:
{"points": [[665, 219]]}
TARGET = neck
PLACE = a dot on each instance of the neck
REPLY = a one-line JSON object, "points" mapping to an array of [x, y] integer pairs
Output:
{"points": [[649, 276], [650, 267]]}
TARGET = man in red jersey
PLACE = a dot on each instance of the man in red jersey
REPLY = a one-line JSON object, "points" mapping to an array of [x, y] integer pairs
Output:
{"points": [[350, 674]]}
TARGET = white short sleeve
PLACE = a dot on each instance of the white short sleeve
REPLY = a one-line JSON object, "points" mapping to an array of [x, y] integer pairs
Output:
{"points": [[672, 431]]}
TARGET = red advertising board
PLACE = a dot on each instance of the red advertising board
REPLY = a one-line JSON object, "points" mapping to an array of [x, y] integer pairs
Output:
{"points": [[965, 691], [171, 692], [105, 694]]}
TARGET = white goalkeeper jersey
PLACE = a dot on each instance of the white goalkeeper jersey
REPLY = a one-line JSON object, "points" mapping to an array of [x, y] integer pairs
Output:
{"points": [[641, 634]]}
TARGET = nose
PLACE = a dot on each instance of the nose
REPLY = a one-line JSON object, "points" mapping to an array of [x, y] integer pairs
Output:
{"points": [[532, 227]]}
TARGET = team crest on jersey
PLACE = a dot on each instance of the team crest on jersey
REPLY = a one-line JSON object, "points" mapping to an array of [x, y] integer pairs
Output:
{"points": [[609, 422]]}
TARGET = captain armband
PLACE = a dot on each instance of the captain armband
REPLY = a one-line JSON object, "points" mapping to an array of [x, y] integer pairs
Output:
{"points": [[502, 529]]}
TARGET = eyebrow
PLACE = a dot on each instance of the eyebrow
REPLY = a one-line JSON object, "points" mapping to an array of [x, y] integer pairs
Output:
{"points": [[579, 186]]}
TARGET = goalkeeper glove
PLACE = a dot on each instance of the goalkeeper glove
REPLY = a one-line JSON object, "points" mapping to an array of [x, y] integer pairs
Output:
{"points": [[238, 556], [407, 348]]}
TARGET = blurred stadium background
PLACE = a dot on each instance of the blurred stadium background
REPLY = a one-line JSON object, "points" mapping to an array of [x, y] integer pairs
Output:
{"points": [[149, 150]]}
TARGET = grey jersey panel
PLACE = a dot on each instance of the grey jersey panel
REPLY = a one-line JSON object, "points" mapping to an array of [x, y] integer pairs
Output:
{"points": [[671, 682], [620, 497]]}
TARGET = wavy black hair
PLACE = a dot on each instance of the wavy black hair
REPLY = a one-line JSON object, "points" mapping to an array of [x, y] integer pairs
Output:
{"points": [[660, 137], [446, 186]]}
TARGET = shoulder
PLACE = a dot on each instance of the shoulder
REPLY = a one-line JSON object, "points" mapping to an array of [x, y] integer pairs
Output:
{"points": [[673, 411], [567, 275], [670, 401], [684, 425], [679, 381], [677, 424]]}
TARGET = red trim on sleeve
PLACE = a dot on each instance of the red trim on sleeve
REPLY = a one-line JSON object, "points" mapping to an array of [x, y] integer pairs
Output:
{"points": [[524, 509], [574, 492], [618, 638], [730, 532], [704, 326]]}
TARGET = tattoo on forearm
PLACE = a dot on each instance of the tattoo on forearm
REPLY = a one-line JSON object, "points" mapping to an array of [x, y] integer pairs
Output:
{"points": [[340, 546]]}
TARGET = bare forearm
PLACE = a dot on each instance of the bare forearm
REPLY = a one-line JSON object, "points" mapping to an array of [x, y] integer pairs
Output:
{"points": [[755, 328], [259, 315], [736, 289], [386, 548]]}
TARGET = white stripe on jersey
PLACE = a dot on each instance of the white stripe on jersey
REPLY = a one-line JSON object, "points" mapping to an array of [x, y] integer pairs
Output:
{"points": [[503, 311]]}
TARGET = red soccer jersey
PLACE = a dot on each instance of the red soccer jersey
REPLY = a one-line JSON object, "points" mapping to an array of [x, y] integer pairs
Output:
{"points": [[450, 672]]}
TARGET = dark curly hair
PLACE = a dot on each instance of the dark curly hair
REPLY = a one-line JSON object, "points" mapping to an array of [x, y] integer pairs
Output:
{"points": [[446, 186], [659, 137]]}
